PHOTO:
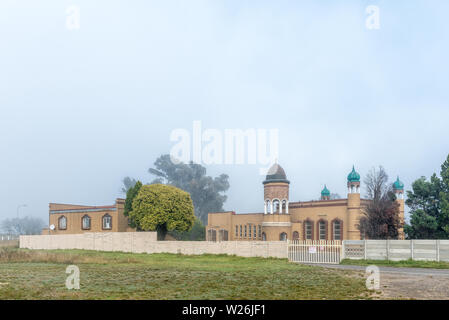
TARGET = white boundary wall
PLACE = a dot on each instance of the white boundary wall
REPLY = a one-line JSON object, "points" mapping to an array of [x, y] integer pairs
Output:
{"points": [[431, 250], [146, 242]]}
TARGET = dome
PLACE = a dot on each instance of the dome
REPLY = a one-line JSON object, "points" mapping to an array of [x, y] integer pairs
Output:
{"points": [[276, 174], [398, 185], [325, 192], [353, 176]]}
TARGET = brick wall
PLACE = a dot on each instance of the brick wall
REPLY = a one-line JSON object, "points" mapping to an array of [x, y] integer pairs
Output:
{"points": [[145, 242]]}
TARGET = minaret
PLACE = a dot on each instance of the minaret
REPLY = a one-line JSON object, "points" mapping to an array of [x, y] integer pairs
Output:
{"points": [[276, 188], [325, 194], [398, 188], [353, 233]]}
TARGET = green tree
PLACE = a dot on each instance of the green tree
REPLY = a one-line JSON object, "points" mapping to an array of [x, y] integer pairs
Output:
{"points": [[425, 211], [444, 197], [162, 208], [128, 183], [197, 233], [130, 195], [206, 191]]}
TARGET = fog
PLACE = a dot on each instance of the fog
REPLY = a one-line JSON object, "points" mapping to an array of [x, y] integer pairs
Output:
{"points": [[83, 108]]}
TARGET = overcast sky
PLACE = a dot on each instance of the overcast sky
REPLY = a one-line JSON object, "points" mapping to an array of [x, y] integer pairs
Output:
{"points": [[83, 108]]}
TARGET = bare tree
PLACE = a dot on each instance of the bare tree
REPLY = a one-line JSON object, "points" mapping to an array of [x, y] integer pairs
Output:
{"points": [[381, 216], [26, 225]]}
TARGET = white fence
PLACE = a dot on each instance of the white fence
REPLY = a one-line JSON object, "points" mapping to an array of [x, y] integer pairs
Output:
{"points": [[314, 251], [8, 237], [431, 250]]}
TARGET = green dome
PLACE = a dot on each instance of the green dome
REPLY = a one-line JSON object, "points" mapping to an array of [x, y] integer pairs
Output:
{"points": [[325, 191], [398, 185], [353, 176]]}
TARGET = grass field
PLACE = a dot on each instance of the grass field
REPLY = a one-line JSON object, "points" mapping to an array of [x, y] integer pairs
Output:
{"points": [[399, 264], [34, 274]]}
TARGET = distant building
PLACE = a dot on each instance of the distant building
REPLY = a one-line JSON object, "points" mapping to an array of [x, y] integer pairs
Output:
{"points": [[324, 219], [70, 219]]}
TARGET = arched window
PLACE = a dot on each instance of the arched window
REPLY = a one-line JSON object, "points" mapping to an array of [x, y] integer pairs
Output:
{"points": [[85, 222], [264, 236], [322, 230], [269, 208], [249, 231], [254, 232], [276, 206], [308, 230], [283, 236], [107, 222], [260, 231], [337, 229], [241, 232], [284, 206], [236, 231], [295, 235], [62, 223], [245, 231]]}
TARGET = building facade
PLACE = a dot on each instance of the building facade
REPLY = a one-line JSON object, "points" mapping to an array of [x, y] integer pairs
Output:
{"points": [[324, 219], [70, 219]]}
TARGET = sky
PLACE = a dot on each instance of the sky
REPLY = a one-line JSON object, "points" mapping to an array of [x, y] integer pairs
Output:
{"points": [[83, 108]]}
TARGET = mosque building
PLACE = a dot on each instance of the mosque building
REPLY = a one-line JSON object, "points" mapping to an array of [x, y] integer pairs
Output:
{"points": [[324, 219]]}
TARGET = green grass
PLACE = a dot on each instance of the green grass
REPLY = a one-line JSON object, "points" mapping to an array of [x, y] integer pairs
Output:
{"points": [[39, 274], [399, 264]]}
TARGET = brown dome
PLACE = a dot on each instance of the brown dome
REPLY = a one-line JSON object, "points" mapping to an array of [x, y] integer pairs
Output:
{"points": [[276, 174]]}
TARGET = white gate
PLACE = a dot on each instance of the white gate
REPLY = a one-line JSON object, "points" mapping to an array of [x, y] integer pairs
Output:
{"points": [[314, 251]]}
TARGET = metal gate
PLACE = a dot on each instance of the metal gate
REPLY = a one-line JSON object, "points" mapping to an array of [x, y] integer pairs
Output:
{"points": [[314, 251]]}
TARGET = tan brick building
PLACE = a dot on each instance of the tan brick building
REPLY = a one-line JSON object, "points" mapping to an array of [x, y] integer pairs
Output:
{"points": [[323, 219], [70, 219]]}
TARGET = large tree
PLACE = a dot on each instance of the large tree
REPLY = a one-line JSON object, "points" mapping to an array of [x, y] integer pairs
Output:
{"points": [[380, 218], [130, 195], [429, 206], [162, 208], [206, 191], [25, 225]]}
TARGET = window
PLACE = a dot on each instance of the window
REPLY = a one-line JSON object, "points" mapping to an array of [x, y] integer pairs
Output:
{"points": [[308, 230], [276, 206], [236, 231], [284, 206], [269, 208], [212, 235], [264, 236], [241, 231], [322, 230], [295, 235], [62, 223], [245, 231], [283, 236], [337, 230], [107, 222], [249, 227], [254, 232], [85, 222], [260, 231]]}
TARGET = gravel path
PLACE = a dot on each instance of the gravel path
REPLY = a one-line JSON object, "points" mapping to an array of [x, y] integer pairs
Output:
{"points": [[407, 283]]}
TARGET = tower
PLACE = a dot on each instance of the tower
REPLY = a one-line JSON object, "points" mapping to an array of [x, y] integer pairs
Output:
{"points": [[325, 194], [353, 205], [276, 188], [398, 188]]}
